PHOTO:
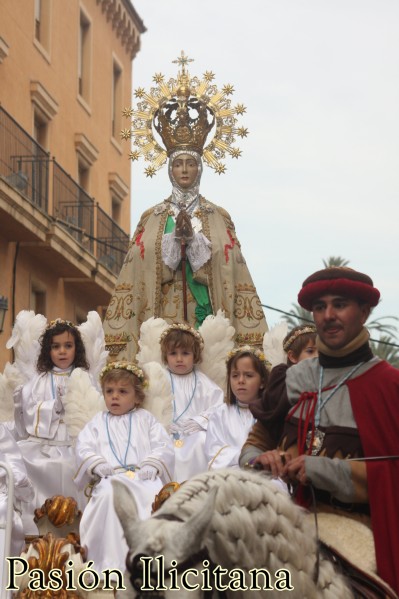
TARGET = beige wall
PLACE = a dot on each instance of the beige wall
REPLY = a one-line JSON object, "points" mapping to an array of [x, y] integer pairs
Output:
{"points": [[44, 77], [57, 71]]}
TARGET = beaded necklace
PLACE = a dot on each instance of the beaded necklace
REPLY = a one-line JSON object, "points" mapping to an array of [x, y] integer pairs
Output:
{"points": [[129, 470], [315, 437], [178, 441], [242, 406]]}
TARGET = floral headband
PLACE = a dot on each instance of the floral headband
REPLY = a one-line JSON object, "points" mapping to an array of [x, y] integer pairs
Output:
{"points": [[289, 340], [242, 349], [178, 326], [129, 366], [53, 323]]}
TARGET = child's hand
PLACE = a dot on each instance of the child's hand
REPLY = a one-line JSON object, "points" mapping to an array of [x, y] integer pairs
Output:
{"points": [[175, 428], [189, 426], [58, 405], [103, 470], [147, 473]]}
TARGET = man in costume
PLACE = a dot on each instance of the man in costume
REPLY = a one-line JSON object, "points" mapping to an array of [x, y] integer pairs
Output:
{"points": [[344, 410], [184, 261]]}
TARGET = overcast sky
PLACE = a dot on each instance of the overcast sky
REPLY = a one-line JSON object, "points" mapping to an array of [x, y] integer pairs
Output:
{"points": [[319, 172]]}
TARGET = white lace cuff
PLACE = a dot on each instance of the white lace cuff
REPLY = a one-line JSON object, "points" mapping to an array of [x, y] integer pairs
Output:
{"points": [[171, 250], [198, 251]]}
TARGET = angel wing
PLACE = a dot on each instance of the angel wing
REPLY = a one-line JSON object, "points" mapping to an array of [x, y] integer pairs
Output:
{"points": [[150, 349], [159, 397], [273, 344], [81, 402], [92, 333], [24, 340], [6, 397], [218, 335]]}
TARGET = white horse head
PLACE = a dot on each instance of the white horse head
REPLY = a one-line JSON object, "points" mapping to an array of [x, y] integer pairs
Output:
{"points": [[258, 539]]}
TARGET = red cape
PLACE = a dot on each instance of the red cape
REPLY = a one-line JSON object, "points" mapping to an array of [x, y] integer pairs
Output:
{"points": [[375, 403]]}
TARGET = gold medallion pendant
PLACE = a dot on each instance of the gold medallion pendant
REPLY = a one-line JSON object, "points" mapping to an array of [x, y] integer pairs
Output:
{"points": [[130, 473], [179, 443]]}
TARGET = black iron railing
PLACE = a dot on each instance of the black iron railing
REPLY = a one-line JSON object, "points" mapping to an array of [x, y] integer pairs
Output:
{"points": [[27, 167], [23, 162], [112, 242], [73, 207]]}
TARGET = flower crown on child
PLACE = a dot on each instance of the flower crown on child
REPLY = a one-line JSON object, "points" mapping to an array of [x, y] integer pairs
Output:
{"points": [[129, 366], [53, 323], [295, 333], [183, 327], [258, 353]]}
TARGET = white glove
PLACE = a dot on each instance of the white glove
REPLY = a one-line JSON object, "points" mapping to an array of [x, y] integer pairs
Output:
{"points": [[58, 401], [147, 473], [17, 391], [175, 428], [23, 490], [190, 426], [103, 470]]}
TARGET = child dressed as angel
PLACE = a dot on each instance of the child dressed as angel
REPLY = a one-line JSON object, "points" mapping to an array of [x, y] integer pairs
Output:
{"points": [[195, 396], [126, 442], [46, 446]]}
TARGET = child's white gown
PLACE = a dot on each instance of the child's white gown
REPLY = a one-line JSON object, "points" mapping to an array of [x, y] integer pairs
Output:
{"points": [[195, 397], [23, 491], [137, 439], [227, 432], [47, 449]]}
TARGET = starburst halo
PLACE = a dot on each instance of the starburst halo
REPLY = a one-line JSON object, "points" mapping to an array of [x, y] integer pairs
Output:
{"points": [[205, 91]]}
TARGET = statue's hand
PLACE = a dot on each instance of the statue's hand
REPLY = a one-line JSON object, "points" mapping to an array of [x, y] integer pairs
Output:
{"points": [[184, 229]]}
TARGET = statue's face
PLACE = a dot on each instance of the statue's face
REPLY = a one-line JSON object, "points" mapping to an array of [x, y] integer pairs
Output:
{"points": [[184, 170]]}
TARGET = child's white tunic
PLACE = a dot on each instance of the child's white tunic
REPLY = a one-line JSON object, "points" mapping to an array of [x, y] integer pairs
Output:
{"points": [[23, 491], [47, 449], [195, 397], [227, 432], [147, 444]]}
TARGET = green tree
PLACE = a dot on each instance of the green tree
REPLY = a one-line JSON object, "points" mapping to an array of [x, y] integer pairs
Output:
{"points": [[386, 349], [297, 316], [335, 261]]}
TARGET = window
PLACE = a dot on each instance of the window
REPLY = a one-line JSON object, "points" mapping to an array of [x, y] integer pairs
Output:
{"points": [[116, 210], [40, 129], [38, 17], [38, 298], [83, 175], [42, 23], [84, 57], [116, 100]]}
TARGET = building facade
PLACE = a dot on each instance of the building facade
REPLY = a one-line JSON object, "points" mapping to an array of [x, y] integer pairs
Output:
{"points": [[65, 77]]}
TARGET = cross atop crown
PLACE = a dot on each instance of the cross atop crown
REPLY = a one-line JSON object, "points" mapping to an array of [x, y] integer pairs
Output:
{"points": [[183, 61]]}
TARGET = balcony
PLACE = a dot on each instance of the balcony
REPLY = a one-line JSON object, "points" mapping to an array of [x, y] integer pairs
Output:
{"points": [[52, 208]]}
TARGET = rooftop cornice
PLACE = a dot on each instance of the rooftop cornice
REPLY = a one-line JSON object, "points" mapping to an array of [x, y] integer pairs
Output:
{"points": [[126, 22]]}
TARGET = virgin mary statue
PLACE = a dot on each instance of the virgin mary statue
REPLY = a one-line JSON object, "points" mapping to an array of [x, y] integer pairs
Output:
{"points": [[184, 260]]}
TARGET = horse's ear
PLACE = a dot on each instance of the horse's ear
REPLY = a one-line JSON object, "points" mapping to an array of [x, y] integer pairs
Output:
{"points": [[126, 509], [194, 529]]}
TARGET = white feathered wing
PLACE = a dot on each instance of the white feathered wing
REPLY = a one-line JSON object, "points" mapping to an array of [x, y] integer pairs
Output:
{"points": [[273, 344], [150, 348], [24, 340], [218, 335], [83, 398], [92, 333], [159, 396], [81, 402]]}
